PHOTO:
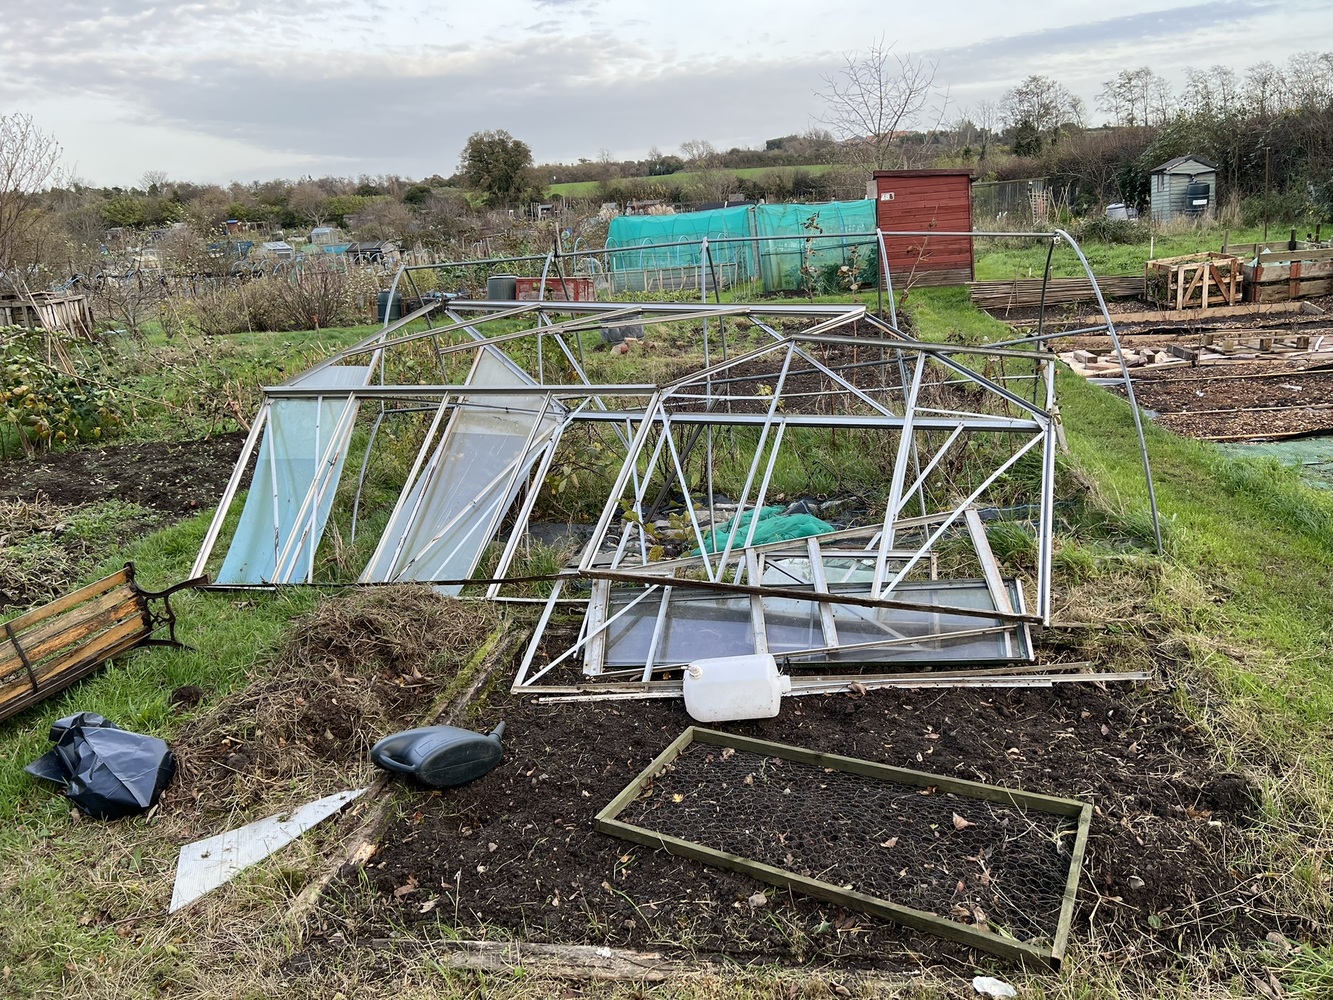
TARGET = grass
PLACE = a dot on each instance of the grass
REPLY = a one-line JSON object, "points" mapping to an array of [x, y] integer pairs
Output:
{"points": [[1238, 616], [1006, 258], [185, 387], [683, 178]]}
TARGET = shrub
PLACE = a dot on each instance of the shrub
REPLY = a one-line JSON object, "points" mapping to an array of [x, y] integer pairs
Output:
{"points": [[1283, 207], [41, 403], [308, 297], [1103, 230]]}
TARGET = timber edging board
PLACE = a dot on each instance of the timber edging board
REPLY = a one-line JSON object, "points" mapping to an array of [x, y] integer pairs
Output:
{"points": [[1026, 293], [1022, 952]]}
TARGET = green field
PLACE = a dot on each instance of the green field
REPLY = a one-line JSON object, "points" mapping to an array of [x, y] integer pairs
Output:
{"points": [[683, 178]]}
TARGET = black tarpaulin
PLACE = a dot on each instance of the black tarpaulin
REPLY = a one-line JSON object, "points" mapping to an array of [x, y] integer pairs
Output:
{"points": [[106, 771]]}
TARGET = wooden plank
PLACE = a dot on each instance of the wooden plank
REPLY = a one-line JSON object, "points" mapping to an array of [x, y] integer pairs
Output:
{"points": [[1170, 316], [53, 635], [887, 772], [94, 650], [70, 600], [631, 791], [1267, 271], [1287, 256], [1283, 292], [917, 919], [19, 695], [1061, 941]]}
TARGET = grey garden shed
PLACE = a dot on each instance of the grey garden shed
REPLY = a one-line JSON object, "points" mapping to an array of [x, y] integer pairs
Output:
{"points": [[1185, 186]]}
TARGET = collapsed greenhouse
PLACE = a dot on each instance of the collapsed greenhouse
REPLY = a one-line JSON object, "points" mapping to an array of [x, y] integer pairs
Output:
{"points": [[669, 480]]}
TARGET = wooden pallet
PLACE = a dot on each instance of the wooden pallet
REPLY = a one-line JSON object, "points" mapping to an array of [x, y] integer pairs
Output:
{"points": [[1194, 281]]}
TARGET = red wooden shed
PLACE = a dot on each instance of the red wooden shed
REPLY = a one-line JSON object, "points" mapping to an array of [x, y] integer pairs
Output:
{"points": [[919, 201]]}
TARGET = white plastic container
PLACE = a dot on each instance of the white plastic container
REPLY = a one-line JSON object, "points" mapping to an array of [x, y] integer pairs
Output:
{"points": [[727, 688]]}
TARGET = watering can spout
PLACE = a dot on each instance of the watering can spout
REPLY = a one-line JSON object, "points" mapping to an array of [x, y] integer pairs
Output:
{"points": [[497, 733]]}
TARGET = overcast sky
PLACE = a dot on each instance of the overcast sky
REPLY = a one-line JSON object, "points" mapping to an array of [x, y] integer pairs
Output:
{"points": [[218, 90]]}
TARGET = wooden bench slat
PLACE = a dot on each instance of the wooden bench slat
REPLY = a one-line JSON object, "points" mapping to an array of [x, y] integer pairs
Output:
{"points": [[97, 640], [47, 649], [70, 600], [17, 696], [48, 638]]}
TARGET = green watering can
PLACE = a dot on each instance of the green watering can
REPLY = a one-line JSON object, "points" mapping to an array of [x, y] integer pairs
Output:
{"points": [[439, 756]]}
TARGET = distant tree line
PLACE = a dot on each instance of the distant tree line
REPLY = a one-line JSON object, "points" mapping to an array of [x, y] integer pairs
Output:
{"points": [[1269, 128]]}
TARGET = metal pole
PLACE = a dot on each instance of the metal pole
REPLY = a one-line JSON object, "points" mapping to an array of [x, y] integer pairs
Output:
{"points": [[1129, 390], [229, 493]]}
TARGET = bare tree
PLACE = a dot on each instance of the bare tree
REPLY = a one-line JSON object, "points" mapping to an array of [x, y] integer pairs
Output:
{"points": [[981, 123], [1263, 85], [309, 202], [28, 158], [1136, 97], [1309, 80], [711, 182], [876, 97], [153, 181], [698, 153], [1042, 103]]}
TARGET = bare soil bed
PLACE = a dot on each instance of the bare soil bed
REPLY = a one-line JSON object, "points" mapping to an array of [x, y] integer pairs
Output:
{"points": [[515, 854], [1239, 399], [1262, 395], [42, 555], [177, 478]]}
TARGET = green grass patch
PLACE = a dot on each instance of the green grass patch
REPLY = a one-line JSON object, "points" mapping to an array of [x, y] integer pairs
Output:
{"points": [[683, 179], [1006, 257]]}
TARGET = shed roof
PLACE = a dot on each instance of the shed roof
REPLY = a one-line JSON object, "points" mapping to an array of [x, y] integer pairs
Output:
{"points": [[1171, 165], [946, 172]]}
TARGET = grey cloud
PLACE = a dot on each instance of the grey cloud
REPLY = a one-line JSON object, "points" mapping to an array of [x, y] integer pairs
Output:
{"points": [[1025, 51], [376, 120]]}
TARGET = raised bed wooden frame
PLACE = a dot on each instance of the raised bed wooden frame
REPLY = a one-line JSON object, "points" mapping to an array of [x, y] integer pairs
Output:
{"points": [[1007, 947], [1194, 281]]}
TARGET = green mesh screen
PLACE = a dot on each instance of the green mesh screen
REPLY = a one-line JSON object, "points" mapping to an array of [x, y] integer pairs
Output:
{"points": [[816, 240]]}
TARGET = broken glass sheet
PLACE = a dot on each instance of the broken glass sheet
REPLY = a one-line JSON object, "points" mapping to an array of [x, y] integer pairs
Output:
{"points": [[441, 525], [294, 448], [206, 864], [702, 624]]}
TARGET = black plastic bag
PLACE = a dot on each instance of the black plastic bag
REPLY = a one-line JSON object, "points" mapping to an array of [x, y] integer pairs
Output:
{"points": [[106, 771]]}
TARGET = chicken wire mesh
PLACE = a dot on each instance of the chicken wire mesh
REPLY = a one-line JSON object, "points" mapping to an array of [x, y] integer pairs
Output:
{"points": [[998, 867]]}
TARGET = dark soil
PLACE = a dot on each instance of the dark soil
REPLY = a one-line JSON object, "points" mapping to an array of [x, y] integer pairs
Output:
{"points": [[1230, 401], [515, 853], [174, 477]]}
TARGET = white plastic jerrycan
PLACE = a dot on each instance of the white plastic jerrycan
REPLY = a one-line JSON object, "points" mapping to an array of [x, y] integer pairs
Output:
{"points": [[727, 688]]}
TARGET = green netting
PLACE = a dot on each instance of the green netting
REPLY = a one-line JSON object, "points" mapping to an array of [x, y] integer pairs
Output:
{"points": [[686, 232], [816, 240], [773, 526]]}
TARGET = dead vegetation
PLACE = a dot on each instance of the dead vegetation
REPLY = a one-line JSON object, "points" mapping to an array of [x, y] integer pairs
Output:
{"points": [[360, 666]]}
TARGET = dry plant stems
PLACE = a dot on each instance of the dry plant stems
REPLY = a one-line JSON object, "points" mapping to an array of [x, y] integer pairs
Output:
{"points": [[358, 668]]}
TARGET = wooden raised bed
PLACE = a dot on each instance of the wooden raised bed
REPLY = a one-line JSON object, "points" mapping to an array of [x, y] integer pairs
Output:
{"points": [[1283, 275], [1194, 281]]}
